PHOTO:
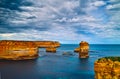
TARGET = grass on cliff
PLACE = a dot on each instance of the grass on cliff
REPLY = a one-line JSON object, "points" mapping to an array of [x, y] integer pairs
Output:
{"points": [[111, 58]]}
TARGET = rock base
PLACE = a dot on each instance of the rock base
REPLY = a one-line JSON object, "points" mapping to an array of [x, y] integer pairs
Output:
{"points": [[51, 49], [18, 58], [83, 50]]}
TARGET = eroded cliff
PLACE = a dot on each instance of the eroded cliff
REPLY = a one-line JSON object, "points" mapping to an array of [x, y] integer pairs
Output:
{"points": [[19, 50], [51, 46], [107, 68]]}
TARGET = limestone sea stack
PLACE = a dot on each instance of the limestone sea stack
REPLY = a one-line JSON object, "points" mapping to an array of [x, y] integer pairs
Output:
{"points": [[83, 49], [20, 50], [107, 68]]}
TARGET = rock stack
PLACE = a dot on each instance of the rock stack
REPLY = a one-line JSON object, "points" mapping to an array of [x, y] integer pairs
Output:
{"points": [[51, 46], [107, 68], [83, 49]]}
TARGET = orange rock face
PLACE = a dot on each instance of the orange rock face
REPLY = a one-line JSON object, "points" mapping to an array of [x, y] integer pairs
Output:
{"points": [[50, 46], [51, 49], [47, 44], [18, 50], [83, 50], [107, 68]]}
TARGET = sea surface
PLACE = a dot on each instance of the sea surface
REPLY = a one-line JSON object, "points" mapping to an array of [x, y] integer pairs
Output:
{"points": [[56, 65]]}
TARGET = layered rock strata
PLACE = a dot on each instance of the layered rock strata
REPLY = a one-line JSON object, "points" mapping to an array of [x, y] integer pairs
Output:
{"points": [[51, 46], [83, 50], [107, 68], [19, 50]]}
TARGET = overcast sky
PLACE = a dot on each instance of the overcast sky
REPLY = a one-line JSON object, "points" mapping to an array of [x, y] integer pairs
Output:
{"points": [[67, 21]]}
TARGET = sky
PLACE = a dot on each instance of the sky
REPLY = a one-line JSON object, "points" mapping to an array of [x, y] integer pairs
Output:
{"points": [[66, 21]]}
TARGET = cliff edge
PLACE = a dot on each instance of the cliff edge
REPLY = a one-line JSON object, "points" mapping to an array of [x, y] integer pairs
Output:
{"points": [[107, 68], [20, 50]]}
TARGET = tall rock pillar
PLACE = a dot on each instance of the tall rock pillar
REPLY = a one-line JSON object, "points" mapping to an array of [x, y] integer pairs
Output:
{"points": [[83, 49]]}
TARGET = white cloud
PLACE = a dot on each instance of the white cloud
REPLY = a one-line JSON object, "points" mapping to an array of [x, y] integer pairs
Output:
{"points": [[18, 22], [29, 8], [6, 35], [78, 19], [114, 6], [98, 3], [109, 7]]}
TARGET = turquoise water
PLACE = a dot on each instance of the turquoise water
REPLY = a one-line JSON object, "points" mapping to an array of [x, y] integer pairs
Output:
{"points": [[56, 65], [95, 49]]}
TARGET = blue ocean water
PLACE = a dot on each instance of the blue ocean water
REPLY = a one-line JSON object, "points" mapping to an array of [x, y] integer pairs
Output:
{"points": [[56, 65]]}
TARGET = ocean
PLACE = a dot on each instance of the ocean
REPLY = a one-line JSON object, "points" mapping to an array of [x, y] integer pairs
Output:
{"points": [[56, 65]]}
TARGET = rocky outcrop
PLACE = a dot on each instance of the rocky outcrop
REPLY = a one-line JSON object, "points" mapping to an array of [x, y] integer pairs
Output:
{"points": [[51, 49], [107, 68], [83, 49], [77, 49], [47, 44], [68, 54], [19, 50], [51, 46]]}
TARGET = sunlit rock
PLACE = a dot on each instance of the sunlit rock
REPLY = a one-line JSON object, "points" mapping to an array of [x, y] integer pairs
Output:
{"points": [[51, 46], [51, 49], [83, 50], [77, 49], [47, 44], [20, 50], [107, 68]]}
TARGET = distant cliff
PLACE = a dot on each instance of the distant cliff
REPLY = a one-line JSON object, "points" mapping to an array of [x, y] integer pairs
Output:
{"points": [[47, 44], [107, 68], [51, 46], [19, 50]]}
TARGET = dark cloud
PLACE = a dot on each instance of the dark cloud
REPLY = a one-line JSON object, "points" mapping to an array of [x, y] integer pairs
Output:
{"points": [[8, 9], [31, 17], [14, 4], [18, 29], [11, 28], [83, 3]]}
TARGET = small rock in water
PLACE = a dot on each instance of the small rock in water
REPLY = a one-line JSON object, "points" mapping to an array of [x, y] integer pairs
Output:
{"points": [[68, 53]]}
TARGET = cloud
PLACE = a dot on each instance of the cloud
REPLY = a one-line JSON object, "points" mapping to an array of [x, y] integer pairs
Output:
{"points": [[6, 35], [114, 1], [98, 3], [113, 7], [77, 19], [61, 20]]}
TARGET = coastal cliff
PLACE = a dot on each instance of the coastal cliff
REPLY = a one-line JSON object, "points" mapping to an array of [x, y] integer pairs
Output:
{"points": [[20, 50], [107, 68], [51, 46], [83, 49], [47, 44]]}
